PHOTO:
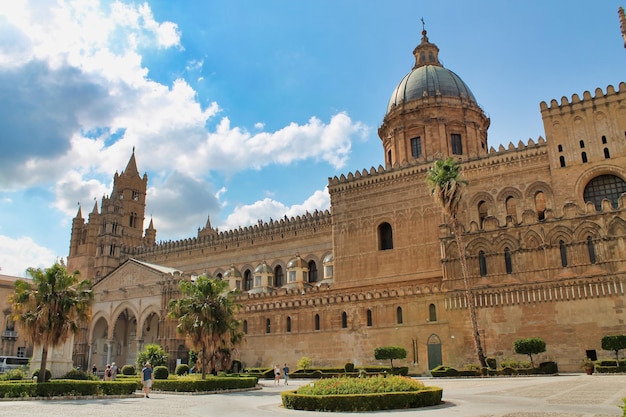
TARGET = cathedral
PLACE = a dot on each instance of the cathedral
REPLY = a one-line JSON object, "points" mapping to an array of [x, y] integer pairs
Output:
{"points": [[544, 228]]}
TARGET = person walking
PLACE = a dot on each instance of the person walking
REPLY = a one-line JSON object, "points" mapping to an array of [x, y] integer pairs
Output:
{"points": [[147, 377], [277, 374], [108, 374], [113, 371], [286, 372], [94, 369]]}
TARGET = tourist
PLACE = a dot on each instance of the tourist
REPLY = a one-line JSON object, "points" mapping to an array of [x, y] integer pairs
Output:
{"points": [[277, 374], [108, 374], [113, 371], [147, 377], [94, 369], [286, 372]]}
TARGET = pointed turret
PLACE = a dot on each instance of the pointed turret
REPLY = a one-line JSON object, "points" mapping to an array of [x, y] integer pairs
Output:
{"points": [[95, 207], [131, 167], [426, 53], [150, 235], [622, 23], [79, 215]]}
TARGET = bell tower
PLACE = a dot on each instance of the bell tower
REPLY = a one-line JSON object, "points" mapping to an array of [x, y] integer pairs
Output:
{"points": [[97, 247]]}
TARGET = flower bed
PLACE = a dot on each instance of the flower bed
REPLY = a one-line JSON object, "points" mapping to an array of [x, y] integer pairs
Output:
{"points": [[362, 394]]}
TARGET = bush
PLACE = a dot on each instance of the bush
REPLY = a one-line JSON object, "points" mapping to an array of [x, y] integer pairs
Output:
{"points": [[529, 346], [348, 367], [305, 362], [13, 375], [79, 375], [236, 366], [154, 354], [614, 343], [48, 375], [129, 370], [161, 372], [492, 363], [190, 384], [442, 371], [182, 369], [389, 352]]}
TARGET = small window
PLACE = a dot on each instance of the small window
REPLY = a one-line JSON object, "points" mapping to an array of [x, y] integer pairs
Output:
{"points": [[584, 157], [607, 154], [562, 161], [432, 313], [279, 276], [312, 271], [369, 318], [135, 195], [582, 144], [540, 205], [245, 326], [317, 322], [591, 249], [508, 264], [483, 212], [268, 326], [389, 156], [344, 320], [247, 280], [482, 263], [416, 147], [604, 139], [288, 324], [399, 315], [385, 237], [563, 250], [560, 148], [457, 145], [511, 208]]}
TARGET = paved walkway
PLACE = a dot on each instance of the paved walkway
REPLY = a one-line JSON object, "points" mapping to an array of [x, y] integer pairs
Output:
{"points": [[572, 395]]}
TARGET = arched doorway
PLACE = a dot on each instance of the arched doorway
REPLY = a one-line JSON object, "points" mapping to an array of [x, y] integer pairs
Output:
{"points": [[434, 351]]}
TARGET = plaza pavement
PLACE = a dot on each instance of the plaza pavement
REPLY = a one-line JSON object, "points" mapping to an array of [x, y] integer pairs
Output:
{"points": [[569, 395]]}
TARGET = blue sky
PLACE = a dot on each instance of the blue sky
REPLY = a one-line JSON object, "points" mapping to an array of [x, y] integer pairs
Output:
{"points": [[241, 110]]}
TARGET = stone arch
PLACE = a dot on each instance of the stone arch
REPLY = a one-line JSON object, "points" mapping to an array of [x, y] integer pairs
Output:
{"points": [[478, 244], [617, 227], [585, 229], [588, 175], [532, 240], [505, 240], [559, 233]]}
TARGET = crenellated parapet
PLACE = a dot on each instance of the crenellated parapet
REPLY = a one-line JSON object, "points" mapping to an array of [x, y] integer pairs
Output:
{"points": [[209, 237], [576, 104]]}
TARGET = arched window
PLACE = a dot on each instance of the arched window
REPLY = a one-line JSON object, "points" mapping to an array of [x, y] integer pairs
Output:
{"points": [[584, 157], [560, 148], [247, 280], [317, 322], [540, 205], [279, 276], [563, 250], [344, 320], [312, 271], [603, 139], [370, 320], [562, 161], [399, 315], [591, 249], [483, 212], [432, 313], [511, 208], [245, 326], [607, 154], [268, 327], [603, 187], [288, 324], [482, 263], [385, 236], [507, 261], [582, 144]]}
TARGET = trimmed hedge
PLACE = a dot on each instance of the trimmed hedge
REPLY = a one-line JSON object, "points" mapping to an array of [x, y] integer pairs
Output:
{"points": [[545, 368], [61, 387], [363, 402], [204, 385]]}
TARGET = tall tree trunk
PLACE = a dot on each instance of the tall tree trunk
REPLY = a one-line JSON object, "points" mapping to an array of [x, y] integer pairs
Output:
{"points": [[469, 294], [44, 363], [203, 362]]}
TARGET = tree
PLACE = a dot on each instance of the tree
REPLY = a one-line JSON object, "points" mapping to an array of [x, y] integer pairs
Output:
{"points": [[529, 346], [51, 307], [446, 187], [389, 352], [614, 343], [206, 315], [154, 354], [305, 362]]}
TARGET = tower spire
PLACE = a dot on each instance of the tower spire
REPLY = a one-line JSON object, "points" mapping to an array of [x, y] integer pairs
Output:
{"points": [[622, 23], [426, 53]]}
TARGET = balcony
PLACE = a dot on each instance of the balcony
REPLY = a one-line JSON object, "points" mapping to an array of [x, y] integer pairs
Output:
{"points": [[9, 335]]}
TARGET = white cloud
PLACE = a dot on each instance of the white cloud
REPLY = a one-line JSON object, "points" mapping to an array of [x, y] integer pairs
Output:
{"points": [[15, 253]]}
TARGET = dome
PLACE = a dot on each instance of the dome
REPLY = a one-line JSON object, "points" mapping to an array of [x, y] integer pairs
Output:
{"points": [[263, 268], [429, 80], [232, 272], [297, 262], [328, 259]]}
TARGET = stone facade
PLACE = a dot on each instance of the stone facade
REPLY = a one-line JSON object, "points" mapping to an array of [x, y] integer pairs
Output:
{"points": [[544, 227], [12, 340]]}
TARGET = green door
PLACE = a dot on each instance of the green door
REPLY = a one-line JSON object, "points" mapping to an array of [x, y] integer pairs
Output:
{"points": [[434, 351]]}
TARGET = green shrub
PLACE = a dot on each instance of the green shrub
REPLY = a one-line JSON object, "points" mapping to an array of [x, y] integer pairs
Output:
{"points": [[161, 372], [79, 374], [48, 374], [13, 375], [182, 369], [547, 368], [348, 367], [389, 352], [529, 346], [515, 364], [492, 363], [305, 362], [614, 343], [190, 384], [129, 370], [443, 371], [154, 354]]}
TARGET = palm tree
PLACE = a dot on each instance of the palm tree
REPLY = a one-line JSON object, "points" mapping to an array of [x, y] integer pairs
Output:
{"points": [[206, 315], [51, 307], [446, 186]]}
